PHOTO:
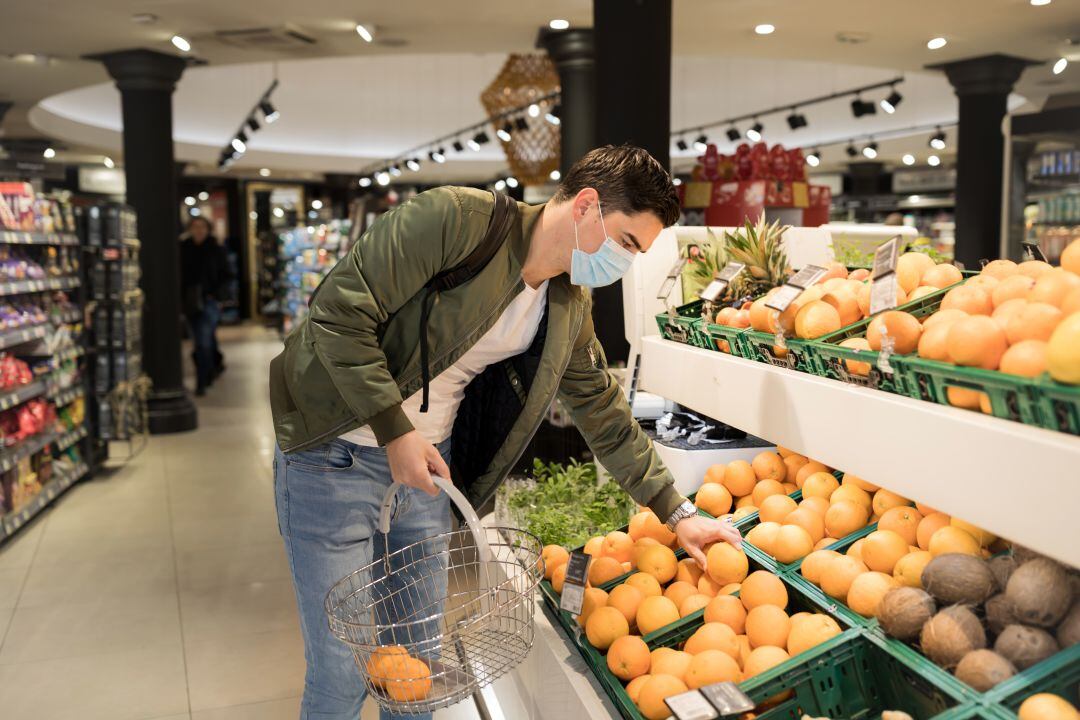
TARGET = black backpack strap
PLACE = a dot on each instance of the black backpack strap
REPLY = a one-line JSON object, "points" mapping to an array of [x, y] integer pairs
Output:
{"points": [[503, 216]]}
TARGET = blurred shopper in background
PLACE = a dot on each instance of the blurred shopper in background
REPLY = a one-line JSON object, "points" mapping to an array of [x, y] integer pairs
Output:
{"points": [[204, 275]]}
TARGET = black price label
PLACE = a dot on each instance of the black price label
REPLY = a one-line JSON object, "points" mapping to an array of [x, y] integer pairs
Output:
{"points": [[1032, 250], [728, 699], [806, 277], [691, 706], [783, 297], [715, 290], [573, 594], [885, 257], [669, 281]]}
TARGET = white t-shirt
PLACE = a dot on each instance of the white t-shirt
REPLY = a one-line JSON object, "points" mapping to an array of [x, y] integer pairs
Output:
{"points": [[511, 335]]}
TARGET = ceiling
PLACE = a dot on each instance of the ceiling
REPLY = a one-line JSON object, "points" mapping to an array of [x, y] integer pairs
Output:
{"points": [[345, 102]]}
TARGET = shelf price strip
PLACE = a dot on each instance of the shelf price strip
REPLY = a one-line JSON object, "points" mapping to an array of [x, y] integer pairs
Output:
{"points": [[21, 335], [9, 458], [20, 395], [23, 237]]}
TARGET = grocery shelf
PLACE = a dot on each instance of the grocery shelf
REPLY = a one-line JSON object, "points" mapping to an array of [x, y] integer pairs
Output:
{"points": [[11, 338], [69, 438], [60, 482], [9, 457], [1012, 479], [21, 287], [17, 396], [63, 397], [23, 237]]}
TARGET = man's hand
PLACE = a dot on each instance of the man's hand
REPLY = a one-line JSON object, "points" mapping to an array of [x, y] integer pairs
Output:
{"points": [[413, 460], [696, 532]]}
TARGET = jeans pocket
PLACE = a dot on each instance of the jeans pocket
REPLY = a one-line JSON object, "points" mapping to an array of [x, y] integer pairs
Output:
{"points": [[329, 456]]}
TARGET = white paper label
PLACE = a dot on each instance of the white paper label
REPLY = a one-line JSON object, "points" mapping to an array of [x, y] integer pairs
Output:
{"points": [[883, 294], [691, 706]]}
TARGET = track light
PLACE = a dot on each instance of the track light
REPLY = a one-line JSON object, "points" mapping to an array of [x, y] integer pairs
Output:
{"points": [[365, 31], [458, 147], [480, 138], [395, 171], [681, 145], [270, 113], [504, 132], [937, 140], [108, 162], [908, 159], [796, 120], [933, 161], [850, 150], [383, 178], [253, 124], [521, 124], [702, 143], [1060, 65], [413, 164], [511, 182], [733, 134], [753, 133], [365, 181], [500, 185], [889, 104], [555, 175], [534, 110], [554, 116], [870, 151], [860, 107], [238, 144], [438, 155], [814, 158], [181, 43]]}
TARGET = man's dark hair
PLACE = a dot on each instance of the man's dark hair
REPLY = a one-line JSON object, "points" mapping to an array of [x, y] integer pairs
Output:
{"points": [[628, 180], [200, 218]]}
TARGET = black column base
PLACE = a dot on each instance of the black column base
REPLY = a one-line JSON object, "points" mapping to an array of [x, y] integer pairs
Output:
{"points": [[171, 412]]}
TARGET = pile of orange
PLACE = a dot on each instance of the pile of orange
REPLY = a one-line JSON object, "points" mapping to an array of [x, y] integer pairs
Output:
{"points": [[906, 538], [740, 637], [740, 487], [403, 677]]}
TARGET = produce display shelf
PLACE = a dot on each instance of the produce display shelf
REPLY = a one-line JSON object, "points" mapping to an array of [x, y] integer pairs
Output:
{"points": [[958, 461], [763, 348], [69, 438], [1059, 674], [1012, 397], [18, 336], [65, 396], [1058, 406], [22, 287], [9, 457], [24, 237], [61, 481], [19, 395]]}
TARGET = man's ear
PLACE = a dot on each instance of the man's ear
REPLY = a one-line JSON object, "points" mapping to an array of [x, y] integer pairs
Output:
{"points": [[583, 202]]}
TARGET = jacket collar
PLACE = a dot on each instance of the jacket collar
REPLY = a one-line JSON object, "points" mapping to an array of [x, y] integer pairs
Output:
{"points": [[519, 246]]}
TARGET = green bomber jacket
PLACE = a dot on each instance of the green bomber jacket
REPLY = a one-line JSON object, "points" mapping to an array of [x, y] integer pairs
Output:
{"points": [[355, 356]]}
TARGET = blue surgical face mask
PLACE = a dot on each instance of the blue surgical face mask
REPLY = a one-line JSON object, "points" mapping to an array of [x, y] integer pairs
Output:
{"points": [[603, 267]]}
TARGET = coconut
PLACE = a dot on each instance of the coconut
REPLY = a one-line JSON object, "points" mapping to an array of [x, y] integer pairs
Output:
{"points": [[1024, 646], [1068, 632], [904, 610], [1039, 593], [958, 579], [951, 634], [1001, 567], [983, 669], [1023, 554], [998, 614]]}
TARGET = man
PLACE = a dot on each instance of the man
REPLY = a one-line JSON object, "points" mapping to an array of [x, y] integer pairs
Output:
{"points": [[347, 392], [204, 273]]}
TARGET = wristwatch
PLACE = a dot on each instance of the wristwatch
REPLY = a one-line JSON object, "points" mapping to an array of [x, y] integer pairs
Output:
{"points": [[685, 510]]}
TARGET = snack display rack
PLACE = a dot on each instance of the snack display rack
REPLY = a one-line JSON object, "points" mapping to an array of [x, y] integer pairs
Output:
{"points": [[42, 355], [118, 384], [306, 255]]}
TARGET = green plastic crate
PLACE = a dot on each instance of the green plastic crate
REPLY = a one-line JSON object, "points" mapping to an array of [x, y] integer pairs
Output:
{"points": [[732, 336], [975, 711], [1011, 397], [829, 358], [761, 347], [1057, 405], [1058, 674], [849, 677], [684, 325]]}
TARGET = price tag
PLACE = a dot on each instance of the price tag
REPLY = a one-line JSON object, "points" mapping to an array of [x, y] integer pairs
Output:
{"points": [[715, 290], [669, 281], [573, 594], [806, 277], [794, 287], [883, 293], [1032, 251], [691, 706], [727, 698], [885, 257]]}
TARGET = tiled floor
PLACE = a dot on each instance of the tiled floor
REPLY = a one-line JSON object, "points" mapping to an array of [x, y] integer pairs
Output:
{"points": [[160, 591]]}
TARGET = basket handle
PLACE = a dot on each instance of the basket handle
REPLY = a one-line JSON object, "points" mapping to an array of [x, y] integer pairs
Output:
{"points": [[458, 498]]}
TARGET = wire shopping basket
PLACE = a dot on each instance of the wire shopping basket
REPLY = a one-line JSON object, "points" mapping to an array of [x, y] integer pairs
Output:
{"points": [[431, 624]]}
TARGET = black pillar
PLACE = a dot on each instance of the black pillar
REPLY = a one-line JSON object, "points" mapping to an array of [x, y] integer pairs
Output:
{"points": [[573, 55], [146, 80], [982, 86]]}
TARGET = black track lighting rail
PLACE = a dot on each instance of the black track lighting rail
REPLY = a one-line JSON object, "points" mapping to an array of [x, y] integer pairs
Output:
{"points": [[249, 126]]}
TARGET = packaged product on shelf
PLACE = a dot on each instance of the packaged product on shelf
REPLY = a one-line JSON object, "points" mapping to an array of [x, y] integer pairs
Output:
{"points": [[306, 255]]}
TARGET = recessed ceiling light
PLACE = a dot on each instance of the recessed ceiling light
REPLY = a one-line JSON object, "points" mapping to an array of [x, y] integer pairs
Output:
{"points": [[181, 43], [204, 196], [908, 159], [555, 175], [937, 43], [765, 29], [279, 212], [365, 31], [559, 24], [316, 204], [264, 172], [365, 181], [1060, 65], [933, 161], [49, 154], [189, 201], [1040, 2]]}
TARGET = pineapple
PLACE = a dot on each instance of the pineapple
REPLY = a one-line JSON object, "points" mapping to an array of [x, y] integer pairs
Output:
{"points": [[758, 246]]}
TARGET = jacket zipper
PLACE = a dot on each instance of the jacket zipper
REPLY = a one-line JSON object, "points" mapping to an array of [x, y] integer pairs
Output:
{"points": [[536, 427], [340, 428]]}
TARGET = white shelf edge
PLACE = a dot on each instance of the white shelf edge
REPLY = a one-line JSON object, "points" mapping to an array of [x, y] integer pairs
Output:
{"points": [[1014, 480]]}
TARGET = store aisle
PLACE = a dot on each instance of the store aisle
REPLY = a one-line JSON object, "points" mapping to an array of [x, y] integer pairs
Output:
{"points": [[160, 591]]}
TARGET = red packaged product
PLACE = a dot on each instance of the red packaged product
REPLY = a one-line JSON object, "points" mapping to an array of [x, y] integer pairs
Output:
{"points": [[779, 163], [797, 165]]}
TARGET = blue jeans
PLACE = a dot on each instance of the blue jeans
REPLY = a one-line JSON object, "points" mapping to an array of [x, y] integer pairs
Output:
{"points": [[203, 326], [328, 502]]}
